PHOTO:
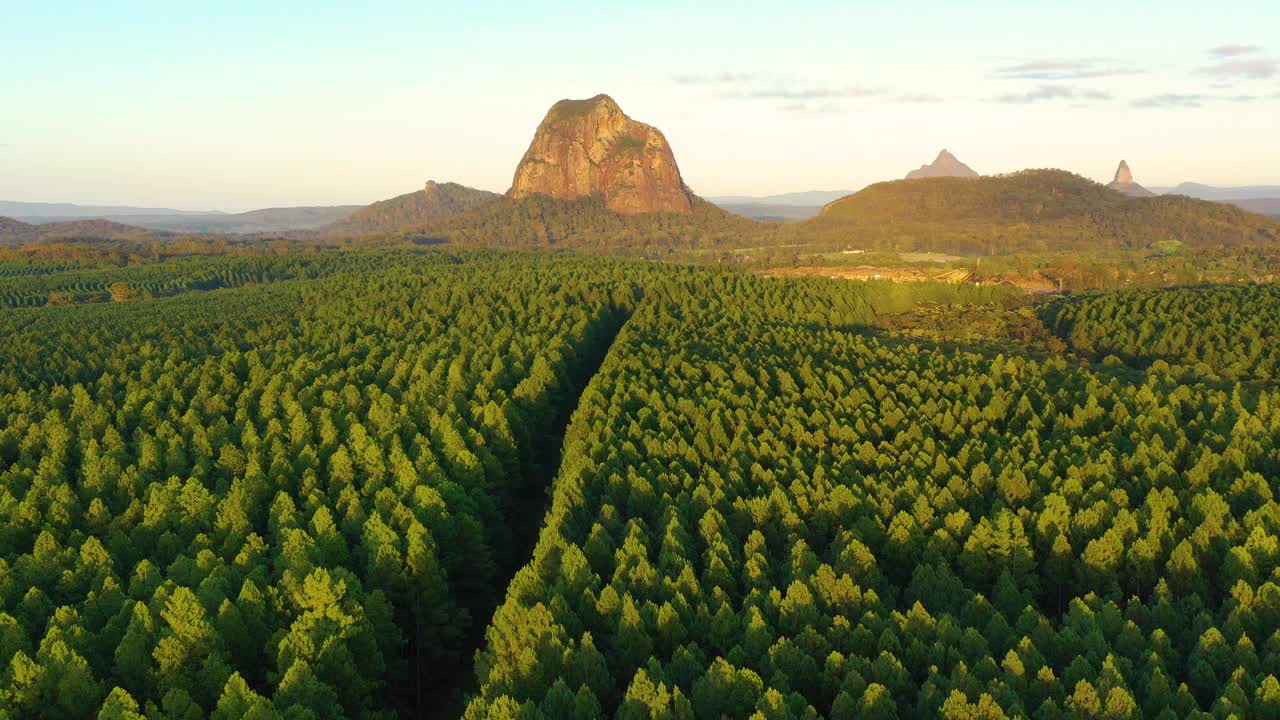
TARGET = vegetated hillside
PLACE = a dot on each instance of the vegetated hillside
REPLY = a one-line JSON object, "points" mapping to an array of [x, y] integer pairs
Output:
{"points": [[771, 516], [1228, 331], [588, 224], [412, 211], [13, 232], [1034, 210]]}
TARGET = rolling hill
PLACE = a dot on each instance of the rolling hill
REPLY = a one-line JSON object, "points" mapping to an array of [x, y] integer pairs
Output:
{"points": [[588, 224], [1033, 210], [411, 211], [13, 232]]}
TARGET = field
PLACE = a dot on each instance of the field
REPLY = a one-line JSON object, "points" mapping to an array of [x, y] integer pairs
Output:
{"points": [[489, 484]]}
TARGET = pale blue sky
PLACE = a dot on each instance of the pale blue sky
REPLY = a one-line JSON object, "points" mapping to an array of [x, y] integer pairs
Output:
{"points": [[236, 105]]}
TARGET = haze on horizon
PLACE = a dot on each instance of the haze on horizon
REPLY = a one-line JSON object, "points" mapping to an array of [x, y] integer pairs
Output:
{"points": [[243, 106]]}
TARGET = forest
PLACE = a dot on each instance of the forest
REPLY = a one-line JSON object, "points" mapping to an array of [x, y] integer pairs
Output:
{"points": [[493, 484]]}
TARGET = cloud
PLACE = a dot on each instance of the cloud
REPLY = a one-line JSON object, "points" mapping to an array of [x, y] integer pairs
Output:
{"points": [[1052, 92], [810, 93], [1064, 69], [921, 99], [1172, 100], [796, 96], [1197, 100], [724, 78], [1226, 51], [1252, 69], [825, 107]]}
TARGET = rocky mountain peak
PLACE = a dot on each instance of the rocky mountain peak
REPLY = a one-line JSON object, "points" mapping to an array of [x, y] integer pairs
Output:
{"points": [[1123, 173], [946, 165], [590, 147], [1124, 183]]}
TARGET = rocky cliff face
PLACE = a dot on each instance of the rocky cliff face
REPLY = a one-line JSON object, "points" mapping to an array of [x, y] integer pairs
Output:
{"points": [[946, 165], [590, 147], [1124, 183]]}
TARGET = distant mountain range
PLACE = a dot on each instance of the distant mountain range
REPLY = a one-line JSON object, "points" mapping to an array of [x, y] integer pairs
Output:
{"points": [[186, 221], [1221, 194], [766, 212], [594, 179], [1263, 199], [809, 198], [69, 211]]}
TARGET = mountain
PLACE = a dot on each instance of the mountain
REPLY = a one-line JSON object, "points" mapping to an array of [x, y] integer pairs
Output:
{"points": [[588, 224], [1029, 211], [590, 147], [13, 232], [1222, 194], [69, 211], [1265, 206], [945, 165], [771, 213], [808, 198], [191, 221], [1123, 183], [267, 220], [413, 210]]}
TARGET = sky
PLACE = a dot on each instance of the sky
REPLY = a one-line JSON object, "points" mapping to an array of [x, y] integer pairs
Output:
{"points": [[237, 105]]}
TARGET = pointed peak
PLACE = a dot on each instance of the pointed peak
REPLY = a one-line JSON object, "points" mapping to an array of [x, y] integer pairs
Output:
{"points": [[1123, 173], [946, 165], [430, 186]]}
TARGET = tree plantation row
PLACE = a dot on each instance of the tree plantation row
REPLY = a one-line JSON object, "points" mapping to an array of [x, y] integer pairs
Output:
{"points": [[778, 519], [302, 495]]}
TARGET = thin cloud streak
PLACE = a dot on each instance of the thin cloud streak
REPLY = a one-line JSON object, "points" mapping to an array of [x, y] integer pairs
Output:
{"points": [[812, 93], [725, 78], [1227, 51], [1255, 69], [1062, 69], [1172, 100], [1052, 92], [1197, 100], [918, 99]]}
